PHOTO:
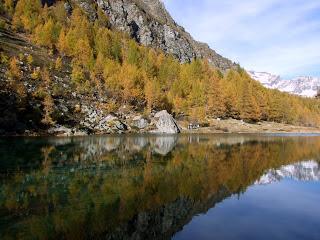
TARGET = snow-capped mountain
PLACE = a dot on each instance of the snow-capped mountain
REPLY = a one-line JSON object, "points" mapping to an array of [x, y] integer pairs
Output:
{"points": [[303, 86], [267, 79], [303, 171]]}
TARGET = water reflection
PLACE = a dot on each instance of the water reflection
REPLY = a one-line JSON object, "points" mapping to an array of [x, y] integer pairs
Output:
{"points": [[301, 171], [135, 187]]}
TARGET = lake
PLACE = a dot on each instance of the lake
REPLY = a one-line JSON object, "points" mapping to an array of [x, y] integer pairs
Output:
{"points": [[160, 187]]}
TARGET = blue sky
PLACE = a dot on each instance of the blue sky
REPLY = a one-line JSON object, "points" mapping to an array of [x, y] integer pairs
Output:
{"points": [[277, 36]]}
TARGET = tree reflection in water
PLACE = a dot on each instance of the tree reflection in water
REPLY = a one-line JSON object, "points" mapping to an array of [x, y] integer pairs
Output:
{"points": [[130, 187]]}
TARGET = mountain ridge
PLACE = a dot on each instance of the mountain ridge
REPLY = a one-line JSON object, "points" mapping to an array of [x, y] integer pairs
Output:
{"points": [[305, 86], [71, 68], [150, 24]]}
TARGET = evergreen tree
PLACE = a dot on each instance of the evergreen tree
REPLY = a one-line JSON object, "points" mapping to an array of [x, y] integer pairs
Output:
{"points": [[231, 97], [133, 55], [97, 74], [35, 75], [103, 20], [27, 14], [276, 110], [60, 13], [132, 84], [62, 44], [103, 42], [83, 54], [48, 106], [111, 77], [77, 75], [263, 103], [8, 6], [168, 70], [152, 92], [29, 60], [14, 71], [113, 64], [47, 34], [45, 76], [116, 48], [58, 64], [216, 99], [249, 109], [148, 63]]}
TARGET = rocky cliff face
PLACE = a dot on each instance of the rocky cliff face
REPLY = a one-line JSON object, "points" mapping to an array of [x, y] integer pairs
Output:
{"points": [[151, 25]]}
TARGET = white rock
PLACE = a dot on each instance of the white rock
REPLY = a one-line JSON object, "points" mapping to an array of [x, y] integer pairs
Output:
{"points": [[140, 122], [166, 123], [109, 118], [80, 133], [60, 131]]}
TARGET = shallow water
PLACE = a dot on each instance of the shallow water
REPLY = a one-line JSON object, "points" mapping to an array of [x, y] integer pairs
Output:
{"points": [[160, 187]]}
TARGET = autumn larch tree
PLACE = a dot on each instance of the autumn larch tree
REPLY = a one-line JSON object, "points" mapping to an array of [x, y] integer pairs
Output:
{"points": [[249, 109]]}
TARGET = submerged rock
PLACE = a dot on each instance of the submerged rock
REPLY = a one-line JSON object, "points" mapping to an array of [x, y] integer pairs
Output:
{"points": [[165, 123]]}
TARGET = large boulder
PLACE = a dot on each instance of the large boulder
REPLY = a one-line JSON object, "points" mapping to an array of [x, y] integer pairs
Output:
{"points": [[165, 123]]}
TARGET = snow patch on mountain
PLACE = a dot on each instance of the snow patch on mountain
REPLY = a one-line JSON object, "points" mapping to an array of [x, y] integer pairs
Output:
{"points": [[303, 86]]}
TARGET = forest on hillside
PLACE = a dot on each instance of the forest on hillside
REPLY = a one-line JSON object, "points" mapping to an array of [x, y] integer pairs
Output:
{"points": [[111, 64]]}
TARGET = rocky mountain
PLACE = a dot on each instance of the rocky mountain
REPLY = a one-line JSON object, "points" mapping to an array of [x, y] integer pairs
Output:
{"points": [[150, 24], [303, 86], [303, 171]]}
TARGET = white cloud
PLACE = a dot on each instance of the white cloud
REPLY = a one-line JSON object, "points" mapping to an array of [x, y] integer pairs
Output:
{"points": [[280, 36]]}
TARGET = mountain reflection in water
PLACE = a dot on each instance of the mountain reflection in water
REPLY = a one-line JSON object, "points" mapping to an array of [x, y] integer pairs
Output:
{"points": [[137, 187], [301, 171]]}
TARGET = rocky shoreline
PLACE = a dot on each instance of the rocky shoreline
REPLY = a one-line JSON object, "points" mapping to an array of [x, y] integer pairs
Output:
{"points": [[95, 122], [163, 123], [239, 126]]}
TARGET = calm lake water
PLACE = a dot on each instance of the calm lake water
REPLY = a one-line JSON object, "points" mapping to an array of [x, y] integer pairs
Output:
{"points": [[160, 187]]}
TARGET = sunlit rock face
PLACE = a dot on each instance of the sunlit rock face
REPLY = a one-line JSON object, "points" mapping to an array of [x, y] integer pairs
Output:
{"points": [[165, 123], [303, 171], [150, 24]]}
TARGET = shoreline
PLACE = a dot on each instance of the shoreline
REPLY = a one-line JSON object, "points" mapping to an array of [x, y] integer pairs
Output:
{"points": [[228, 126], [238, 126]]}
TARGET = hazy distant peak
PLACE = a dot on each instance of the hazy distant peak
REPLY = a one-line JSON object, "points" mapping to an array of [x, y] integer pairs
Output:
{"points": [[304, 86]]}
